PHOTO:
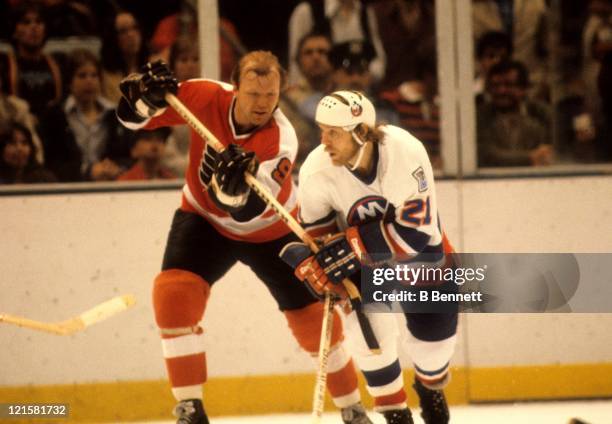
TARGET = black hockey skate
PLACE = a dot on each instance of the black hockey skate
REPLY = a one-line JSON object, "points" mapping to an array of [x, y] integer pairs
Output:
{"points": [[190, 411], [434, 409], [355, 414], [398, 416]]}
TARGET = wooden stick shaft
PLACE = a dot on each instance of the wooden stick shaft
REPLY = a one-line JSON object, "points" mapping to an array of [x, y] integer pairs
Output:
{"points": [[32, 324], [194, 122], [318, 402]]}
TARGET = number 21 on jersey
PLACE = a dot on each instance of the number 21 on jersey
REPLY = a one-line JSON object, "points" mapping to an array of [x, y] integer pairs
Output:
{"points": [[416, 212]]}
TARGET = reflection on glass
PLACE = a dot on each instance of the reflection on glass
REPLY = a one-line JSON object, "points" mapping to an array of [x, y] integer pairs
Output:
{"points": [[410, 86], [541, 92]]}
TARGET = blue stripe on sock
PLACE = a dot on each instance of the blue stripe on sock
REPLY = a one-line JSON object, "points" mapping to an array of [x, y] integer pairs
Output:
{"points": [[383, 376], [431, 373]]}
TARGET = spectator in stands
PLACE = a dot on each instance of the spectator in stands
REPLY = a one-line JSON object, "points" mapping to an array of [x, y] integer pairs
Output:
{"points": [[341, 20], [351, 62], [416, 102], [491, 48], [315, 67], [82, 137], [69, 18], [13, 109], [525, 21], [147, 150], [597, 43], [18, 162], [577, 133], [185, 64], [185, 24], [316, 81], [123, 52], [27, 71], [512, 130], [412, 22], [184, 58], [605, 91]]}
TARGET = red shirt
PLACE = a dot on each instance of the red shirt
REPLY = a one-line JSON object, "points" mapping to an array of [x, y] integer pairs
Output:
{"points": [[274, 143]]}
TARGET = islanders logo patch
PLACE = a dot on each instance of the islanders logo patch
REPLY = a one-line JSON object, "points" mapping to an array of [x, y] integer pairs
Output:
{"points": [[366, 209]]}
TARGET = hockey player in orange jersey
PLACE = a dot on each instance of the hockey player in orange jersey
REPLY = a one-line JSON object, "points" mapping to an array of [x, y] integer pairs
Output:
{"points": [[219, 213]]}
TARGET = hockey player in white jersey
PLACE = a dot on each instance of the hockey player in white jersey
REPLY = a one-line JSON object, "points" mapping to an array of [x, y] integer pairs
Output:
{"points": [[372, 188]]}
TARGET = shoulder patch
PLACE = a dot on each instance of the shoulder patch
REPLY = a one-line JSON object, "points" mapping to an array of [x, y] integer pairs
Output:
{"points": [[419, 175]]}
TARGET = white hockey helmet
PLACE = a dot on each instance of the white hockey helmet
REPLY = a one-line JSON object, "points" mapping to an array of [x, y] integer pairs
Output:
{"points": [[346, 109]]}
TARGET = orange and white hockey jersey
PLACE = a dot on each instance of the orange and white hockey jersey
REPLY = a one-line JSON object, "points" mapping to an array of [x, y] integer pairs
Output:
{"points": [[275, 145]]}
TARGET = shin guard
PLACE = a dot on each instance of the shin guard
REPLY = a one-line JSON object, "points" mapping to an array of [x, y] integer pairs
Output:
{"points": [[179, 300]]}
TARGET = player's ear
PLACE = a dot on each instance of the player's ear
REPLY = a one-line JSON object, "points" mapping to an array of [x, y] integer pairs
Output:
{"points": [[361, 131], [235, 77]]}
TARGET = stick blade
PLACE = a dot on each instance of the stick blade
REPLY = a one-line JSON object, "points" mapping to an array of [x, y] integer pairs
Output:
{"points": [[107, 309]]}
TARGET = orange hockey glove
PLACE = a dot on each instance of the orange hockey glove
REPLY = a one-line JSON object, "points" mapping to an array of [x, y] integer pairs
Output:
{"points": [[307, 269]]}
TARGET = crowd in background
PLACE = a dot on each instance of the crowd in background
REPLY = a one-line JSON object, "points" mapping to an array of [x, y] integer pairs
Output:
{"points": [[542, 83]]}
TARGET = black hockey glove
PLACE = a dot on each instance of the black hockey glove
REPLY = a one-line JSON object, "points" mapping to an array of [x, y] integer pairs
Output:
{"points": [[228, 182], [209, 164], [145, 92], [337, 258]]}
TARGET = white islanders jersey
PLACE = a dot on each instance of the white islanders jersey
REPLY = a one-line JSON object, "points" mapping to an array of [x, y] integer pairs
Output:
{"points": [[395, 207]]}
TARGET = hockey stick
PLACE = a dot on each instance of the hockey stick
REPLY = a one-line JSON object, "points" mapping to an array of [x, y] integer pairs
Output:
{"points": [[282, 213], [318, 402], [91, 316]]}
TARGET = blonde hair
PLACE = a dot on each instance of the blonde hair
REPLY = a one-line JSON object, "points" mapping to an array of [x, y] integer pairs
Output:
{"points": [[262, 63]]}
